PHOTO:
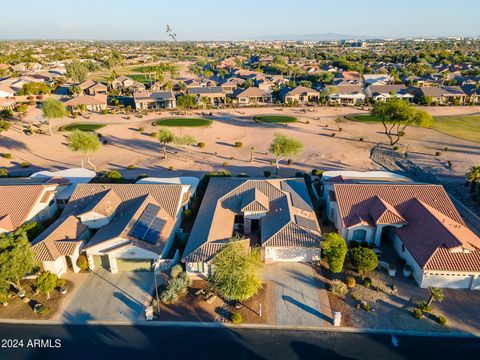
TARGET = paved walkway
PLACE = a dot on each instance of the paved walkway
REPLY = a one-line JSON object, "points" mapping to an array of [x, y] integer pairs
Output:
{"points": [[301, 300], [109, 297]]}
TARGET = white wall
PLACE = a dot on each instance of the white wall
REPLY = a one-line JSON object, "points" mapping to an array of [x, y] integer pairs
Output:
{"points": [[57, 267]]}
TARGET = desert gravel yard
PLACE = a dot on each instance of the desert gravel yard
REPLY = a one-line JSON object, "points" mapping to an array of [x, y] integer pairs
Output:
{"points": [[110, 297]]}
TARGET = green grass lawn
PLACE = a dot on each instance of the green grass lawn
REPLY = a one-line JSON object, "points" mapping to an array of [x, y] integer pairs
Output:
{"points": [[82, 127], [465, 127], [276, 119], [183, 122], [143, 78]]}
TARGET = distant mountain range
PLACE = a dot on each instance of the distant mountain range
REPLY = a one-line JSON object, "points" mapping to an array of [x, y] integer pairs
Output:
{"points": [[312, 37]]}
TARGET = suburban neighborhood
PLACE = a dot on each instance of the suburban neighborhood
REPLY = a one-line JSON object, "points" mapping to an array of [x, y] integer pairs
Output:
{"points": [[266, 187]]}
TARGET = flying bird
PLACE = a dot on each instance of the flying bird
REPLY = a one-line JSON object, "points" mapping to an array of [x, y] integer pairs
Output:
{"points": [[170, 32]]}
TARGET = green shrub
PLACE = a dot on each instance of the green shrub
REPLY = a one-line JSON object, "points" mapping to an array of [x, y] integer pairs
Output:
{"points": [[333, 134], [43, 310], [224, 164], [113, 175], [82, 262], [140, 129], [363, 259], [367, 307], [176, 287], [176, 271], [236, 318], [131, 167], [289, 162], [171, 168], [154, 134], [60, 283], [238, 144], [317, 172], [3, 172], [442, 320], [267, 173], [201, 145], [24, 164], [334, 248], [4, 297], [417, 313], [351, 282], [104, 111], [396, 148], [7, 155], [338, 288], [424, 307], [367, 282]]}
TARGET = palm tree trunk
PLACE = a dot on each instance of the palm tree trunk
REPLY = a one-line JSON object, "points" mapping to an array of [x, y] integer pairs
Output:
{"points": [[277, 166], [430, 300], [164, 150]]}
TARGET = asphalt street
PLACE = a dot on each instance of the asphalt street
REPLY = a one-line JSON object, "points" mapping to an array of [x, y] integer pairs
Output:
{"points": [[166, 342]]}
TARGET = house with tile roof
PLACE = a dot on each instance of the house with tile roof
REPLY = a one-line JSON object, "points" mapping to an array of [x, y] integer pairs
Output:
{"points": [[120, 227], [345, 94], [442, 94], [252, 96], [300, 95], [418, 220], [146, 100], [385, 92], [275, 214], [26, 202]]}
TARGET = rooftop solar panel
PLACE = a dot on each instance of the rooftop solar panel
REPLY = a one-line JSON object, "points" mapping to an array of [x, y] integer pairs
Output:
{"points": [[143, 229], [306, 223]]}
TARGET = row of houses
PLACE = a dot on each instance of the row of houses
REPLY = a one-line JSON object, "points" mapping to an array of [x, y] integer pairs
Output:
{"points": [[130, 227]]}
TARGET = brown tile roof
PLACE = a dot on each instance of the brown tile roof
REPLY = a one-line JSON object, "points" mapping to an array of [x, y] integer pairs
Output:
{"points": [[431, 228], [17, 201], [60, 238], [105, 203], [285, 202], [251, 92], [87, 100]]}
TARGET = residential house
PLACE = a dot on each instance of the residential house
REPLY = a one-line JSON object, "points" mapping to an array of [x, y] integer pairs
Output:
{"points": [[418, 220], [384, 92], [7, 104], [92, 88], [215, 94], [377, 79], [472, 92], [252, 96], [124, 83], [442, 95], [299, 95], [274, 214], [120, 227], [25, 201], [154, 100], [96, 103], [345, 94]]}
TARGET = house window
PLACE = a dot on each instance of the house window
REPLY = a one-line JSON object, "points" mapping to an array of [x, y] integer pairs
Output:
{"points": [[359, 235]]}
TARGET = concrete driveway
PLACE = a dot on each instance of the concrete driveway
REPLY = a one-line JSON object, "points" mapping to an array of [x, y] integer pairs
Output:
{"points": [[301, 298], [107, 296]]}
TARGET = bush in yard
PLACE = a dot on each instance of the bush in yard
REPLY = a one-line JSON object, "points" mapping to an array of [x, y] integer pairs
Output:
{"points": [[238, 144], [131, 167], [267, 173], [187, 214], [236, 271], [363, 259], [3, 172], [317, 172], [46, 283], [24, 164], [176, 287], [176, 271], [113, 175], [4, 297], [334, 249], [338, 288], [236, 318], [417, 313], [7, 155], [201, 145], [43, 310], [442, 320], [367, 282], [367, 307], [82, 262], [351, 282]]}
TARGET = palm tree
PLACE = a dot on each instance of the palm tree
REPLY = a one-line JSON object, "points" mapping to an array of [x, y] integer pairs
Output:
{"points": [[473, 177], [436, 294], [205, 101]]}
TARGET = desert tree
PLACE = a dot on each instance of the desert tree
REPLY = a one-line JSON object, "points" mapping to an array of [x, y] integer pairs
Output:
{"points": [[396, 115], [283, 146], [165, 136], [186, 142], [473, 176], [53, 109], [85, 142]]}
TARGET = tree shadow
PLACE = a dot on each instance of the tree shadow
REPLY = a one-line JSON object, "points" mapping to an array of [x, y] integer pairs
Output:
{"points": [[307, 308]]}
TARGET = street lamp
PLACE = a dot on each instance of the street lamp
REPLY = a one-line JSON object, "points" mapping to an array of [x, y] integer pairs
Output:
{"points": [[155, 266]]}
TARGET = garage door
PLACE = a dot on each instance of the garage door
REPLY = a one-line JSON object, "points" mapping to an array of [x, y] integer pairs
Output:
{"points": [[134, 264], [445, 281], [289, 254]]}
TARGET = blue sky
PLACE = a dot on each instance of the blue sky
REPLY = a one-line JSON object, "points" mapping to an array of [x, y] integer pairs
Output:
{"points": [[234, 20]]}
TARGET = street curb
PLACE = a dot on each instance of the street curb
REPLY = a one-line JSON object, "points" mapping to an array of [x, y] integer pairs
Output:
{"points": [[232, 327]]}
